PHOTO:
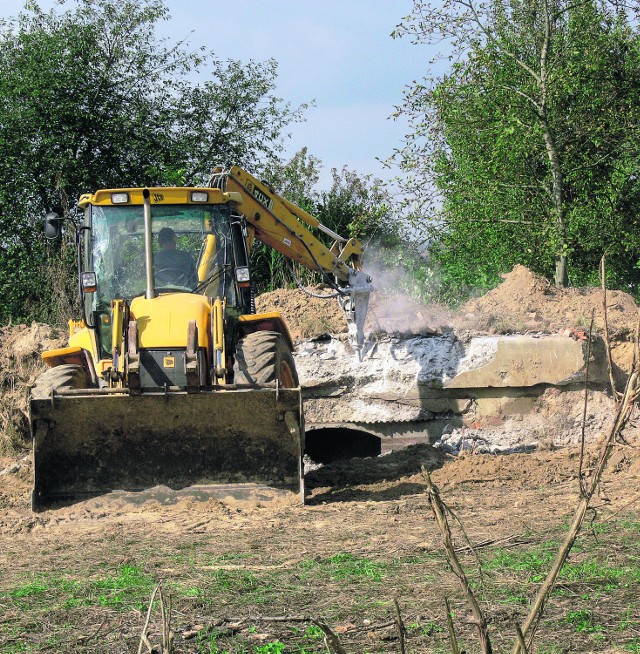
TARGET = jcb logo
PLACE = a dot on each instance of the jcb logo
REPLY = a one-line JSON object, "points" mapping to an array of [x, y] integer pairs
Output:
{"points": [[158, 197], [262, 197]]}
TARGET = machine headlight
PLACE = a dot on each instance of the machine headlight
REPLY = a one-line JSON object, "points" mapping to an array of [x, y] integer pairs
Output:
{"points": [[242, 275], [119, 198], [89, 282], [199, 196]]}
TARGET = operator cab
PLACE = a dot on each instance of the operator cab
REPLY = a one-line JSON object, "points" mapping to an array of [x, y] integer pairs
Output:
{"points": [[193, 252]]}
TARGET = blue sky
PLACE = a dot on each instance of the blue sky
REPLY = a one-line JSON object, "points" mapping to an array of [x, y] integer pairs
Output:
{"points": [[336, 52]]}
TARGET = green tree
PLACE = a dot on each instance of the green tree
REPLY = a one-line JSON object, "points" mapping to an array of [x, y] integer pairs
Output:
{"points": [[92, 98], [526, 149]]}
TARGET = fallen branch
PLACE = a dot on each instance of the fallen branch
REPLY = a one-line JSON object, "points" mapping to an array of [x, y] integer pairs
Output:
{"points": [[282, 618], [331, 640], [493, 541]]}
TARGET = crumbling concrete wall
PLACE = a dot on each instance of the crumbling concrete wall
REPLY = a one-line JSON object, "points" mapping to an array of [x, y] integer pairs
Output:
{"points": [[424, 388]]}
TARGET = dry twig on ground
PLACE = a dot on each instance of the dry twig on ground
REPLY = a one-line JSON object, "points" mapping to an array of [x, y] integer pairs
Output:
{"points": [[331, 639]]}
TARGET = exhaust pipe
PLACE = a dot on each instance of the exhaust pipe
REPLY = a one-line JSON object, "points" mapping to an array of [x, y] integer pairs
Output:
{"points": [[148, 245]]}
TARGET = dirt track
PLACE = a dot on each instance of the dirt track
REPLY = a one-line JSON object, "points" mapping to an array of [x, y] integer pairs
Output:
{"points": [[366, 538]]}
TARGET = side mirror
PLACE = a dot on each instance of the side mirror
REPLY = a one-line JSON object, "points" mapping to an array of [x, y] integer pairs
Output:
{"points": [[52, 226]]}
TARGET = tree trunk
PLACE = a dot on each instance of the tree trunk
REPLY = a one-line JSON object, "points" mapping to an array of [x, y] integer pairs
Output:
{"points": [[561, 276]]}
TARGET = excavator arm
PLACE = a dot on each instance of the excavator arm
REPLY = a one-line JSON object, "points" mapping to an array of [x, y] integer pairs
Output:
{"points": [[282, 225]]}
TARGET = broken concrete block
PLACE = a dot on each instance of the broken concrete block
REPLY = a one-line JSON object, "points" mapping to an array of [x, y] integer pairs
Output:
{"points": [[522, 361]]}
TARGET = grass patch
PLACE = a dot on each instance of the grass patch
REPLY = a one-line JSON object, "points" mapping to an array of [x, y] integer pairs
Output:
{"points": [[592, 571], [347, 566], [583, 621], [128, 588], [244, 586], [534, 562], [31, 589]]}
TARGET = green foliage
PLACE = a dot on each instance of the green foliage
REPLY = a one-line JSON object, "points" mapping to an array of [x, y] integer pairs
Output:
{"points": [[526, 150], [275, 647], [127, 588], [314, 632], [348, 566], [31, 589], [90, 98], [583, 621]]}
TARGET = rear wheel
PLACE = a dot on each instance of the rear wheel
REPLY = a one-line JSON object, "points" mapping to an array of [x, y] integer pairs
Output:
{"points": [[264, 359], [63, 377]]}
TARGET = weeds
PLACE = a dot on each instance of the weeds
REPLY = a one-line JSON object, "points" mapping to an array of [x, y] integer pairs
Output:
{"points": [[583, 620], [20, 365], [344, 566], [126, 589], [275, 647]]}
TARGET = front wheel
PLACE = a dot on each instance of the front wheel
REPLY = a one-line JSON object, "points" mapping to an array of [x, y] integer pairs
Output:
{"points": [[60, 378], [263, 358]]}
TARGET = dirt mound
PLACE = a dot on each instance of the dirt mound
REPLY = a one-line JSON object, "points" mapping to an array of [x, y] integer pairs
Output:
{"points": [[400, 314], [525, 301], [306, 316], [20, 365]]}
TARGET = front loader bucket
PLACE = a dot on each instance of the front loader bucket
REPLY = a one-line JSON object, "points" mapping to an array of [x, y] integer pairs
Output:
{"points": [[89, 443]]}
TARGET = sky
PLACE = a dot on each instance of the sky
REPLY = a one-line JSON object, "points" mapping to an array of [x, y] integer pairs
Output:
{"points": [[337, 53]]}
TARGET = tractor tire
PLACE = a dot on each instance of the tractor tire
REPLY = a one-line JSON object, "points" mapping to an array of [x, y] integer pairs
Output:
{"points": [[264, 359], [63, 377]]}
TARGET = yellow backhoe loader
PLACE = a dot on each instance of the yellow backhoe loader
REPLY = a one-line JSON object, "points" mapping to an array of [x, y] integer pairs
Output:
{"points": [[171, 377]]}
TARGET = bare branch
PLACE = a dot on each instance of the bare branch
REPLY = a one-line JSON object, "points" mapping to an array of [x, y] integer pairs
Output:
{"points": [[439, 511], [453, 641], [607, 341], [623, 414], [584, 408], [143, 636], [402, 631]]}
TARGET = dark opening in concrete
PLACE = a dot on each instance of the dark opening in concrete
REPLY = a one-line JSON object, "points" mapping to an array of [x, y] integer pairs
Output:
{"points": [[329, 444]]}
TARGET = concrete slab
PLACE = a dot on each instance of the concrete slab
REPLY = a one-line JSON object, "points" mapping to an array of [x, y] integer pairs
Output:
{"points": [[523, 361]]}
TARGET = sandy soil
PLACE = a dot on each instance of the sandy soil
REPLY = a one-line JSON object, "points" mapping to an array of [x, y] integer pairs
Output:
{"points": [[375, 510], [229, 565], [523, 302]]}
